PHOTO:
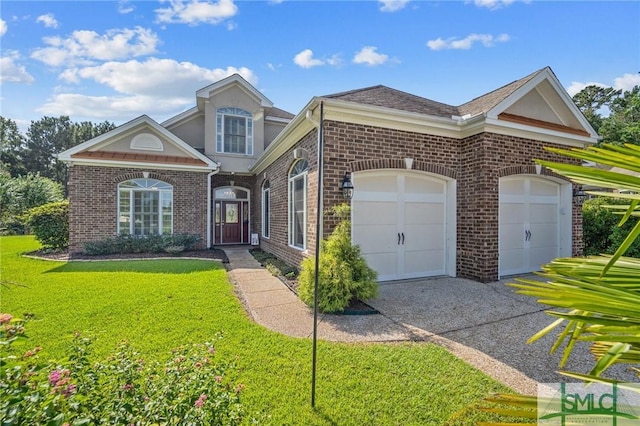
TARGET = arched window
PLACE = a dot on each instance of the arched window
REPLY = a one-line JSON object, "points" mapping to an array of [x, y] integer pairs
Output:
{"points": [[266, 201], [298, 204], [145, 207], [234, 131]]}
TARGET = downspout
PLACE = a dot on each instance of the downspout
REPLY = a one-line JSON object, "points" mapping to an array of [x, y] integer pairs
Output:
{"points": [[209, 176]]}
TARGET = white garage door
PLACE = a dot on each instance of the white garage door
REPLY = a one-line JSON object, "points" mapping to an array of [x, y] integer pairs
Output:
{"points": [[529, 234], [399, 221]]}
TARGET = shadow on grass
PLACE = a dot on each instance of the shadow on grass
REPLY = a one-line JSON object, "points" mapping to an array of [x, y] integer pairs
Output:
{"points": [[181, 266]]}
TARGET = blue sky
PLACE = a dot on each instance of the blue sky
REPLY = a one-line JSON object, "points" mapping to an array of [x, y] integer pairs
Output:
{"points": [[116, 60]]}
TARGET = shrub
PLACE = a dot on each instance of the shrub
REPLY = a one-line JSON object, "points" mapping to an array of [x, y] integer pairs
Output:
{"points": [[274, 265], [189, 389], [20, 194], [601, 233], [50, 224], [126, 243], [344, 274]]}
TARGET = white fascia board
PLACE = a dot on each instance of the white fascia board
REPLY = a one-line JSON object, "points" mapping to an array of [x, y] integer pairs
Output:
{"points": [[139, 165], [277, 119], [187, 115], [536, 133]]}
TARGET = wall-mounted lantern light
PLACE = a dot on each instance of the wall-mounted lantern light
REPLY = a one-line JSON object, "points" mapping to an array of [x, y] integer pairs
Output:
{"points": [[579, 193], [347, 186]]}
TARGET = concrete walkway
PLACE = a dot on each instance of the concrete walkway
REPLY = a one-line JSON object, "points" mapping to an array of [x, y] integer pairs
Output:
{"points": [[486, 325], [273, 305]]}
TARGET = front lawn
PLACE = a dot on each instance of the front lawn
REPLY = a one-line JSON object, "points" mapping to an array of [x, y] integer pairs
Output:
{"points": [[158, 305]]}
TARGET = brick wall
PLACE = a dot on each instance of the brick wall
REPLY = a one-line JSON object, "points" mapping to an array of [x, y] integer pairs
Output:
{"points": [[476, 163], [93, 195]]}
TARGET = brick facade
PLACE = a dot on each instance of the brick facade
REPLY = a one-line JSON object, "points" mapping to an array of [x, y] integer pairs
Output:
{"points": [[477, 163], [93, 195]]}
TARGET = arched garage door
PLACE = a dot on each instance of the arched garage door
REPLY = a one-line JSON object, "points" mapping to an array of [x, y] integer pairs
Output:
{"points": [[535, 223], [404, 223]]}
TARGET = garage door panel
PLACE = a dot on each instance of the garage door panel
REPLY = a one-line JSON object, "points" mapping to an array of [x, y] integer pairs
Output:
{"points": [[424, 213], [376, 238], [544, 235], [511, 236], [541, 187], [415, 185], [511, 213], [376, 213], [424, 263], [385, 265], [511, 261], [539, 256], [515, 187], [424, 237], [544, 213], [378, 183]]}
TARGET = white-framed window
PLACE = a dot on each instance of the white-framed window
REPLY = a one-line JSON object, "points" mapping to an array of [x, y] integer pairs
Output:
{"points": [[266, 206], [298, 204], [234, 131], [145, 207]]}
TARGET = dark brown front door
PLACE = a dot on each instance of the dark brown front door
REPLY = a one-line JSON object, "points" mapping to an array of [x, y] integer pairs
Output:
{"points": [[231, 222]]}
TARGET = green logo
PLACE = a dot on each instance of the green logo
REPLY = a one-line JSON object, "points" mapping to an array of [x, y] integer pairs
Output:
{"points": [[566, 404]]}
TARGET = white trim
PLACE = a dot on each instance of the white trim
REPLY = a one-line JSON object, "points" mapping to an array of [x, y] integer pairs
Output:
{"points": [[277, 119], [138, 165], [262, 215], [290, 181]]}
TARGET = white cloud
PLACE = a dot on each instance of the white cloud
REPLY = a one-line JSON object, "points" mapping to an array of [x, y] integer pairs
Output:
{"points": [[305, 59], [155, 86], [125, 7], [83, 46], [624, 83], [392, 5], [368, 55], [3, 27], [493, 4], [48, 20], [11, 72], [196, 12], [487, 40]]}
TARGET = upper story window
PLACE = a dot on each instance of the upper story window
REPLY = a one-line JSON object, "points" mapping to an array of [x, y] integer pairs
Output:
{"points": [[234, 131], [145, 207]]}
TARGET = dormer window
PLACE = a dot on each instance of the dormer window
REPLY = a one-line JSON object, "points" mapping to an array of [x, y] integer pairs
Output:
{"points": [[234, 131]]}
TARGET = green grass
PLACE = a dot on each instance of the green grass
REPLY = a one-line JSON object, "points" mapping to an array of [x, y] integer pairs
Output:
{"points": [[161, 304]]}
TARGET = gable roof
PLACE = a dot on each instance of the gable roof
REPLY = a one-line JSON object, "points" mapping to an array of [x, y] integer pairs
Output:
{"points": [[235, 79], [89, 151]]}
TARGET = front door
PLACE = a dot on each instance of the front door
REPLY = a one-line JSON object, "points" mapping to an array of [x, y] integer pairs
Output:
{"points": [[231, 223]]}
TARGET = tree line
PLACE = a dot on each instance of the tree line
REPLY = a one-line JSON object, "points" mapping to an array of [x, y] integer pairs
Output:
{"points": [[36, 151], [622, 124]]}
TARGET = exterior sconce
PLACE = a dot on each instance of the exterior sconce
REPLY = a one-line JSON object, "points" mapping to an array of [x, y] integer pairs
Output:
{"points": [[346, 186], [579, 194]]}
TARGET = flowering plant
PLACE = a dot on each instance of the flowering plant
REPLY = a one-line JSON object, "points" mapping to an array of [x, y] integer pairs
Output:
{"points": [[188, 389]]}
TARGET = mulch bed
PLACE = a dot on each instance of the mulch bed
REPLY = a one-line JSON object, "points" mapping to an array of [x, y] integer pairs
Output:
{"points": [[214, 254]]}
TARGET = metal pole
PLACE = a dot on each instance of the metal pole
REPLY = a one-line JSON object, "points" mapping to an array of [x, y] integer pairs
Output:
{"points": [[317, 266]]}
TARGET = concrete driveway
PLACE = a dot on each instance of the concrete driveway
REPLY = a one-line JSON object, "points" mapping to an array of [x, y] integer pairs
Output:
{"points": [[490, 318]]}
